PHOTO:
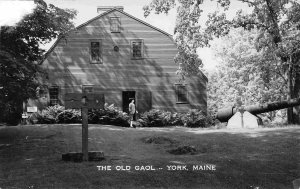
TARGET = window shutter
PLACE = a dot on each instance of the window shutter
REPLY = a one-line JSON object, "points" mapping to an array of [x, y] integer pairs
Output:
{"points": [[144, 101]]}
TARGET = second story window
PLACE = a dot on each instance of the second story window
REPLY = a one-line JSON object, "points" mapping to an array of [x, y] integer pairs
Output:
{"points": [[96, 54], [115, 24], [137, 49]]}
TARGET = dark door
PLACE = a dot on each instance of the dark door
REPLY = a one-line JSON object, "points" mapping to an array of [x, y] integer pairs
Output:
{"points": [[127, 96]]}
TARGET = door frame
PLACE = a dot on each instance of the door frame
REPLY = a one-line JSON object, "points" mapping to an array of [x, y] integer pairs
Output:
{"points": [[127, 101]]}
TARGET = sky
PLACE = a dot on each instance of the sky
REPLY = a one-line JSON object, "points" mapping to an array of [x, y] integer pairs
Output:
{"points": [[11, 11]]}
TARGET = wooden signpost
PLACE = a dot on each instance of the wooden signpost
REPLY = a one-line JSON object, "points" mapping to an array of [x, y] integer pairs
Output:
{"points": [[83, 101]]}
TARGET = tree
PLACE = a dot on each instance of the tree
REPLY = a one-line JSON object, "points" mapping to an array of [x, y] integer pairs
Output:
{"points": [[244, 72], [277, 22], [187, 58], [20, 52]]}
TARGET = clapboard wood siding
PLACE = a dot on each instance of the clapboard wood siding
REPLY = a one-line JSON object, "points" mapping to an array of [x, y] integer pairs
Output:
{"points": [[153, 77]]}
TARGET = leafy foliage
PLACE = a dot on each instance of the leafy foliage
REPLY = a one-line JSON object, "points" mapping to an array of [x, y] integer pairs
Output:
{"points": [[58, 114], [185, 33], [277, 38], [109, 115], [69, 116], [114, 116], [20, 51], [244, 72], [194, 118], [49, 115], [17, 82], [159, 118], [156, 118]]}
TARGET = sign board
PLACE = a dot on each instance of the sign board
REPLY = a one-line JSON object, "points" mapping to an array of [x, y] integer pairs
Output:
{"points": [[80, 100], [32, 109], [24, 116]]}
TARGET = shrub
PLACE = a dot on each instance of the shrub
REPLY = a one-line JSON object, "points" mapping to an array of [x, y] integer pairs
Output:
{"points": [[58, 114], [158, 118], [55, 114], [211, 120], [194, 118], [94, 115], [109, 115], [176, 119], [44, 117], [48, 115], [55, 110], [115, 116], [155, 118], [69, 116]]}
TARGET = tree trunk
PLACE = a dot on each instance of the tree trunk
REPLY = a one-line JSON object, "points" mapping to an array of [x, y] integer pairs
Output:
{"points": [[293, 114], [296, 110]]}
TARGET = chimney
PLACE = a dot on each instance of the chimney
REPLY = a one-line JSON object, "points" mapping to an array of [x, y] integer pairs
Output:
{"points": [[102, 9]]}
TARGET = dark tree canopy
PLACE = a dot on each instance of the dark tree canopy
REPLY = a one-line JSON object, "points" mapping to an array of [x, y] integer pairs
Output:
{"points": [[20, 51]]}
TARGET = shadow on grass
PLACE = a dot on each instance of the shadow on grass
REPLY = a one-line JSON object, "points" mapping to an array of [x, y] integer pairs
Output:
{"points": [[260, 158]]}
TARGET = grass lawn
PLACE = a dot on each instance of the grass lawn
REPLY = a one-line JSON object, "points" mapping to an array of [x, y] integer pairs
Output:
{"points": [[30, 157]]}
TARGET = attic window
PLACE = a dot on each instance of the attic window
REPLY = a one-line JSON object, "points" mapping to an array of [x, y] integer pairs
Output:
{"points": [[95, 52], [115, 24]]}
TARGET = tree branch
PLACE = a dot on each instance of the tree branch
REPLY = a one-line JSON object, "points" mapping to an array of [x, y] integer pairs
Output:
{"points": [[248, 1]]}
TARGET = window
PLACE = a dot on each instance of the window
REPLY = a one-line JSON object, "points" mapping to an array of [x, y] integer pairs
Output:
{"points": [[96, 55], [87, 89], [115, 24], [53, 93], [137, 48], [181, 93]]}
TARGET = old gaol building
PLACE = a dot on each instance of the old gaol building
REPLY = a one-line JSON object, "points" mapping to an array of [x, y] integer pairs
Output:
{"points": [[123, 58]]}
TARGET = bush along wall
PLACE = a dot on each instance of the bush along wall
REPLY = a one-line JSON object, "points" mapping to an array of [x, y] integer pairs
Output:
{"points": [[109, 115], [58, 114], [113, 115], [158, 118]]}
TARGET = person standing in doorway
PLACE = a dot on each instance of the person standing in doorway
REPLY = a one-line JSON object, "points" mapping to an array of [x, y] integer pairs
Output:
{"points": [[131, 112]]}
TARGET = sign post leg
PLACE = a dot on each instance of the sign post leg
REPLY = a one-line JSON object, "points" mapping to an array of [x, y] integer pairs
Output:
{"points": [[84, 114]]}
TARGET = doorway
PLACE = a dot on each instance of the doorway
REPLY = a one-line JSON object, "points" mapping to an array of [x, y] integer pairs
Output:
{"points": [[127, 96]]}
